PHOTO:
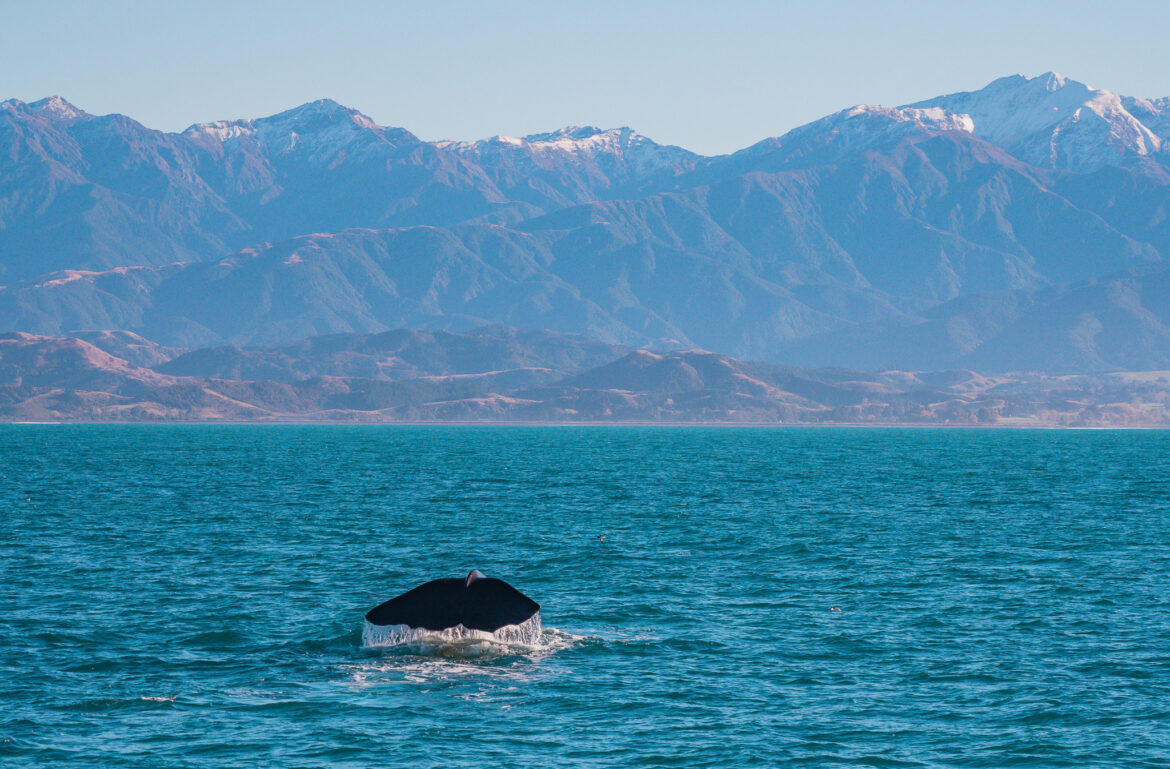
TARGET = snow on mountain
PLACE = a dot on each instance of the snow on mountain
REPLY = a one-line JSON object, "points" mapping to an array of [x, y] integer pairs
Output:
{"points": [[620, 150], [850, 131], [333, 129], [870, 216], [52, 107], [577, 164], [1053, 121], [1154, 114], [869, 124], [56, 107], [634, 148], [221, 130], [1049, 121]]}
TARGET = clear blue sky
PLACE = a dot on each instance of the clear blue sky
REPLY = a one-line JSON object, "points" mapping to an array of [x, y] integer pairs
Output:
{"points": [[713, 77]]}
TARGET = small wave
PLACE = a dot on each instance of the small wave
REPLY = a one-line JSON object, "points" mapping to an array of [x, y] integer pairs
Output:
{"points": [[347, 639], [214, 638]]}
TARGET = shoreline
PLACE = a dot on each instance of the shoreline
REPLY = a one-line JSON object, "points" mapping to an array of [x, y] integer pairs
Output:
{"points": [[503, 423]]}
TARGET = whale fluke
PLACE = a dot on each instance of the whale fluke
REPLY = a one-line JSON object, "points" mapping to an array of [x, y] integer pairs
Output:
{"points": [[477, 603]]}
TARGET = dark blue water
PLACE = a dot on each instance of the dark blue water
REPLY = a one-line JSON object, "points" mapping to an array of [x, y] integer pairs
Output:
{"points": [[193, 596]]}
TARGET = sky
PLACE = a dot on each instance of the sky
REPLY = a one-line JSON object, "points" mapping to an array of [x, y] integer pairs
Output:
{"points": [[712, 77]]}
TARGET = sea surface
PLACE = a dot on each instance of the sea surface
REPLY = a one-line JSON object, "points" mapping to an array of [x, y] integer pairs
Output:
{"points": [[192, 596]]}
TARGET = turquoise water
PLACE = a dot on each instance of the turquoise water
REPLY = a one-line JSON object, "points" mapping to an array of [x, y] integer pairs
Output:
{"points": [[189, 596]]}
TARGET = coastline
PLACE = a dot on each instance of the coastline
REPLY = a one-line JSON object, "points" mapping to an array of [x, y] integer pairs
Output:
{"points": [[663, 424]]}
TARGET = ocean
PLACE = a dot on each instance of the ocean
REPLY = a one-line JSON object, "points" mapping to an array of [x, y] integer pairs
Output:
{"points": [[192, 596]]}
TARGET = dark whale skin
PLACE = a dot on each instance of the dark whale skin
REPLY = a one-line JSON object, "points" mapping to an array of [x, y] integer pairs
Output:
{"points": [[485, 603]]}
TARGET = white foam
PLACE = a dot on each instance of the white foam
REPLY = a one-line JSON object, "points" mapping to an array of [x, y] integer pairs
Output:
{"points": [[526, 634], [431, 658]]}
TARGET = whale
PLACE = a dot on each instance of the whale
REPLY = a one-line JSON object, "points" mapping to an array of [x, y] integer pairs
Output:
{"points": [[475, 607]]}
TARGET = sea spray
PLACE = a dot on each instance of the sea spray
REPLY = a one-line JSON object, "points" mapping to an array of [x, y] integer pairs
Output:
{"points": [[527, 633]]}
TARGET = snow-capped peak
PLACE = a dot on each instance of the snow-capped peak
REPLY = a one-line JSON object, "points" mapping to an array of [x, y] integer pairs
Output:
{"points": [[56, 107], [570, 139], [322, 113], [322, 128], [1052, 81], [616, 154], [590, 139], [326, 110], [1053, 121], [579, 141], [571, 133], [221, 130]]}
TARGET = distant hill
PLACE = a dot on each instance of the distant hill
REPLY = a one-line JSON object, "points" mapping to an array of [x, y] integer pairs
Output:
{"points": [[402, 354], [472, 378], [1021, 227]]}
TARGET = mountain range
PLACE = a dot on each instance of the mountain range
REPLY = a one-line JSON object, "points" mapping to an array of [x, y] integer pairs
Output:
{"points": [[1021, 227]]}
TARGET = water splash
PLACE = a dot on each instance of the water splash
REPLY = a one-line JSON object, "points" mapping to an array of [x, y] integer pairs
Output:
{"points": [[443, 660], [458, 640]]}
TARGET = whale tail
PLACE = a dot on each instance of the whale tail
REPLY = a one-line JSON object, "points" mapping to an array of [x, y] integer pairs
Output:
{"points": [[477, 603]]}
